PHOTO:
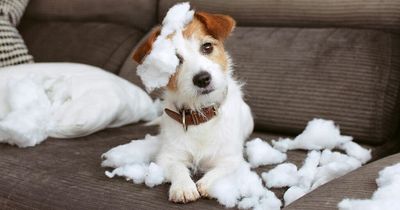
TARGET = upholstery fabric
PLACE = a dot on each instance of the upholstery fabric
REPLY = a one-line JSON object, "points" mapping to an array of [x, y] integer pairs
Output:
{"points": [[372, 14], [359, 184], [12, 47], [140, 14], [293, 75], [105, 45], [66, 174]]}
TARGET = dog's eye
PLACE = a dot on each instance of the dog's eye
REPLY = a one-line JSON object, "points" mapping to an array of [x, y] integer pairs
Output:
{"points": [[180, 59], [206, 48]]}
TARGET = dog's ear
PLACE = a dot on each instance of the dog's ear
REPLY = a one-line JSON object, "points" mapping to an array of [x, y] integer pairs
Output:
{"points": [[219, 26], [145, 47]]}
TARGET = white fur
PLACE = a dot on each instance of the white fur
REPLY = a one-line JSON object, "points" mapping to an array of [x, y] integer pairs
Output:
{"points": [[65, 100], [214, 147]]}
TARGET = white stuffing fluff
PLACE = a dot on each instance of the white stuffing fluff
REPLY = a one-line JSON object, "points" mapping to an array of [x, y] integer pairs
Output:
{"points": [[135, 172], [155, 175], [141, 151], [294, 193], [282, 175], [333, 165], [305, 175], [150, 174], [66, 100], [319, 134], [386, 197], [356, 151], [134, 161], [27, 121], [161, 63], [318, 168], [260, 153], [244, 188]]}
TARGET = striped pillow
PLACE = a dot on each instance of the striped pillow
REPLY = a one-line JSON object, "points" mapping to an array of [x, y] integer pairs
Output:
{"points": [[12, 47]]}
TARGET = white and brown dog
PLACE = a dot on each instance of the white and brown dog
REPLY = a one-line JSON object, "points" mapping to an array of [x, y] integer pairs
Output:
{"points": [[206, 120]]}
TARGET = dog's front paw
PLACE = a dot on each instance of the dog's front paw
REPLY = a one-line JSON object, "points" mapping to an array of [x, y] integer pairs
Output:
{"points": [[203, 186], [183, 193]]}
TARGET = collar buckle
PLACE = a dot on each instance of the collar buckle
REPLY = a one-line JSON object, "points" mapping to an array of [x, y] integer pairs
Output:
{"points": [[184, 125]]}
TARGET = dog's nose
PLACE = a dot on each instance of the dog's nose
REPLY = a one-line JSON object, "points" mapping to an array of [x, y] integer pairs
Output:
{"points": [[202, 79]]}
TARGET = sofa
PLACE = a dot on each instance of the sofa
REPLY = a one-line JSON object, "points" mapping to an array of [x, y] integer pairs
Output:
{"points": [[299, 60]]}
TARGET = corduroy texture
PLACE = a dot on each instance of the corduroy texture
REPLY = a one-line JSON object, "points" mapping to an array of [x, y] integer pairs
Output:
{"points": [[140, 14], [294, 75], [359, 184], [66, 174], [372, 14], [105, 45]]}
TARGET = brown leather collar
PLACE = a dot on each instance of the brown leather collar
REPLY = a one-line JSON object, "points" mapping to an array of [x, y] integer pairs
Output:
{"points": [[189, 117]]}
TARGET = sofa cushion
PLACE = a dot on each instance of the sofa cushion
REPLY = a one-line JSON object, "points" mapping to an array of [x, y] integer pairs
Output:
{"points": [[140, 14], [359, 184], [303, 13], [105, 45], [66, 174], [293, 75]]}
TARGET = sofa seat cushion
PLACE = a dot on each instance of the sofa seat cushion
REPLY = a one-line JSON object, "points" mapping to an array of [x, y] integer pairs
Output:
{"points": [[293, 75], [359, 184], [66, 174]]}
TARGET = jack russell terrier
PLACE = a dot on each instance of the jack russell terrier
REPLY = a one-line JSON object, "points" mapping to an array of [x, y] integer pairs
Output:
{"points": [[206, 120]]}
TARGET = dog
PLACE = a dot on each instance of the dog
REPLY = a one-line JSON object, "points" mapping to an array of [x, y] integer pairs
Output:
{"points": [[206, 120]]}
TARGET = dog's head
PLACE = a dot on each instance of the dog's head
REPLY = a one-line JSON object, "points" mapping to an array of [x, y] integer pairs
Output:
{"points": [[202, 75]]}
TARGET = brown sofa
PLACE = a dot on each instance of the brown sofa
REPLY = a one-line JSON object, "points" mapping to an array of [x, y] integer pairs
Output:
{"points": [[302, 59]]}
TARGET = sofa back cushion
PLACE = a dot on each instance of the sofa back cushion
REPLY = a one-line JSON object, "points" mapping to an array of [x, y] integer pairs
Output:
{"points": [[370, 14], [100, 33], [139, 14], [293, 75]]}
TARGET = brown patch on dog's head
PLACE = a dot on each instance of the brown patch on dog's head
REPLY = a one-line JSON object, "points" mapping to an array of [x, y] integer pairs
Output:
{"points": [[173, 81], [214, 29], [146, 46], [217, 25]]}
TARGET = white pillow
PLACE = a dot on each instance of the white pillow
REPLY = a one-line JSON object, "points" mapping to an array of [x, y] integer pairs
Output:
{"points": [[66, 100]]}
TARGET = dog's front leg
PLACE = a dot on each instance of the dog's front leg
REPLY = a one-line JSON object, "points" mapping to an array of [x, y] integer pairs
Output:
{"points": [[221, 169], [182, 189]]}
